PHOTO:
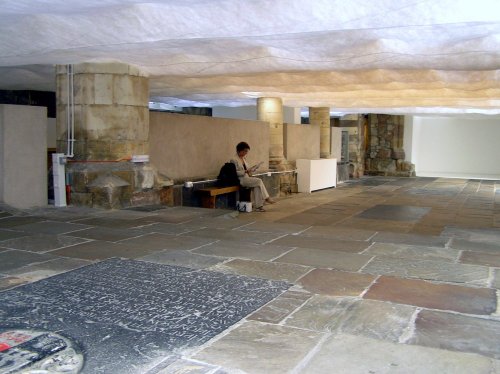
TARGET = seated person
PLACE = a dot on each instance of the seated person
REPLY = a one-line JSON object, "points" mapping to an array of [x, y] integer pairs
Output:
{"points": [[260, 193]]}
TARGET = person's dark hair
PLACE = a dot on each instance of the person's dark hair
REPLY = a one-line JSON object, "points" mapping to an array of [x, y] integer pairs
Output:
{"points": [[241, 146]]}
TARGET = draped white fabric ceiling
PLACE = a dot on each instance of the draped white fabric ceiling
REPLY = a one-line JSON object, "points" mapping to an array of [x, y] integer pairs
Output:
{"points": [[392, 56]]}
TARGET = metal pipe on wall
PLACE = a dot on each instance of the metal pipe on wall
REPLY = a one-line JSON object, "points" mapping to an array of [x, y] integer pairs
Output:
{"points": [[70, 112]]}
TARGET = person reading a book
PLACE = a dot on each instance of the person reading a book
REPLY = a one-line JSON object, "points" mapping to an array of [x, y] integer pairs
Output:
{"points": [[244, 172]]}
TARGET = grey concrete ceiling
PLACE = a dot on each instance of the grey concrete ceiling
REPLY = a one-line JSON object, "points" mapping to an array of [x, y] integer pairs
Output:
{"points": [[393, 56]]}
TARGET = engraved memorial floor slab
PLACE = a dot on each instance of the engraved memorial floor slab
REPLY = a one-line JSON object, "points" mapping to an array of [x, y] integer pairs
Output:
{"points": [[128, 316]]}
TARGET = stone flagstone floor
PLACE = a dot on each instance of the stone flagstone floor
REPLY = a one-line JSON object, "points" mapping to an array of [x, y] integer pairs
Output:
{"points": [[388, 275]]}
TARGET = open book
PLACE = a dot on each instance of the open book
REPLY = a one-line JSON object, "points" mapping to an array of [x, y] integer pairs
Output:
{"points": [[255, 167]]}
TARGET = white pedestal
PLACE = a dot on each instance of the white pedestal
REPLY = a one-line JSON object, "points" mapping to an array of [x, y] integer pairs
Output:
{"points": [[316, 174]]}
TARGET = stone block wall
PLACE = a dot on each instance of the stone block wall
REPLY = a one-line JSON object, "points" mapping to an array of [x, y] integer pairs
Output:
{"points": [[385, 154]]}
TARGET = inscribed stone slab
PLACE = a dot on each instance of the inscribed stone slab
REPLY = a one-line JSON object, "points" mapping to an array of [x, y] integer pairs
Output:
{"points": [[136, 311], [436, 296], [457, 333]]}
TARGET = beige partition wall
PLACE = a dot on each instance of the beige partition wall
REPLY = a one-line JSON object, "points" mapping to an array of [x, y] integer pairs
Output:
{"points": [[185, 147], [23, 155], [301, 141]]}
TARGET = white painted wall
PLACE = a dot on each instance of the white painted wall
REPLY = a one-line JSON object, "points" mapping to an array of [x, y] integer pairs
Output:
{"points": [[23, 156], [408, 138], [456, 147]]}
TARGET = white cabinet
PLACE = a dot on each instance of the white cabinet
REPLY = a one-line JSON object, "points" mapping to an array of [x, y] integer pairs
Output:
{"points": [[316, 174]]}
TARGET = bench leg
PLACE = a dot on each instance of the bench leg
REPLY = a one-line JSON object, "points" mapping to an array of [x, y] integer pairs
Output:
{"points": [[208, 202]]}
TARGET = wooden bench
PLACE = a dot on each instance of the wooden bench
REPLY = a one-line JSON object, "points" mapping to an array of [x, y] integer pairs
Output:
{"points": [[209, 194]]}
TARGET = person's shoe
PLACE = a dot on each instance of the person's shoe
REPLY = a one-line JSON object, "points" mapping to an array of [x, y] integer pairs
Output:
{"points": [[270, 201]]}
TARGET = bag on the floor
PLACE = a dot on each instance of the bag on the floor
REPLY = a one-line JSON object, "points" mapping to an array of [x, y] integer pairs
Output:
{"points": [[244, 206], [228, 176]]}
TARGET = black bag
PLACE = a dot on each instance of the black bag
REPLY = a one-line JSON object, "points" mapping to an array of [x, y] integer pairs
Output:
{"points": [[227, 176]]}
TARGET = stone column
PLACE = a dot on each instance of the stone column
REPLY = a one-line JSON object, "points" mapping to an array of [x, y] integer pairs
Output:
{"points": [[270, 109], [321, 117], [111, 124], [111, 111]]}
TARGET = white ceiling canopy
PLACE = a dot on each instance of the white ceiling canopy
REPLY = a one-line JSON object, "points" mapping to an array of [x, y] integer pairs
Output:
{"points": [[392, 56]]}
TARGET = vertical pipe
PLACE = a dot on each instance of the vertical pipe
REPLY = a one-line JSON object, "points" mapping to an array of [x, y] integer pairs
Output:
{"points": [[70, 110]]}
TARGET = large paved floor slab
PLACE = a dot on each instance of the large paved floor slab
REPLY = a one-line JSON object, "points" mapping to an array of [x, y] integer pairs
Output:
{"points": [[391, 275]]}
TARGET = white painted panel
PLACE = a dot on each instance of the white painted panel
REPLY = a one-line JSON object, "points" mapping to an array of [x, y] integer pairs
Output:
{"points": [[315, 175], [456, 147]]}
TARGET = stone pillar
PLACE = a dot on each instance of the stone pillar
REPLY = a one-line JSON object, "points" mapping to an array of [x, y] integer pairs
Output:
{"points": [[321, 117], [111, 111], [270, 109], [385, 154], [111, 124]]}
